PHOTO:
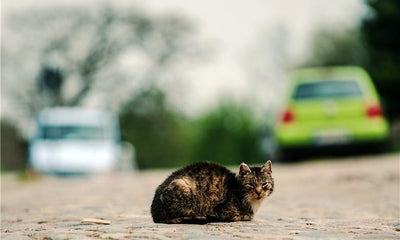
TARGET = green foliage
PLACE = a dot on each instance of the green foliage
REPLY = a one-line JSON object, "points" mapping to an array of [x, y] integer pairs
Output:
{"points": [[228, 135], [154, 129], [164, 138], [337, 48], [14, 149], [382, 37]]}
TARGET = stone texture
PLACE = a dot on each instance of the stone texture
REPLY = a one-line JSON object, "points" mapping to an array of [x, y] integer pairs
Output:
{"points": [[353, 198]]}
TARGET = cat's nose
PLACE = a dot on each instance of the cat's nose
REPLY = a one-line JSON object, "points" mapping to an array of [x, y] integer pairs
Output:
{"points": [[258, 192]]}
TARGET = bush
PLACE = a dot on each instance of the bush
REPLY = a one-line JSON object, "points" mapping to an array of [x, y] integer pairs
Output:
{"points": [[165, 138], [155, 130], [14, 149], [228, 135]]}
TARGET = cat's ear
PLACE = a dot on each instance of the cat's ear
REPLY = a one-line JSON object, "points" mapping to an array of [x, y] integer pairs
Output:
{"points": [[244, 169], [267, 167]]}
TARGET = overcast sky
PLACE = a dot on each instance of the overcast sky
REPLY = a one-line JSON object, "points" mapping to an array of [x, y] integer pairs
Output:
{"points": [[235, 26]]}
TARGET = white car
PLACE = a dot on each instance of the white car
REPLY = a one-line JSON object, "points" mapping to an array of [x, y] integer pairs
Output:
{"points": [[75, 140]]}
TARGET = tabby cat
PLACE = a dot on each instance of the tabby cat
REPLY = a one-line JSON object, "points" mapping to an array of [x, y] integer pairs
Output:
{"points": [[207, 192]]}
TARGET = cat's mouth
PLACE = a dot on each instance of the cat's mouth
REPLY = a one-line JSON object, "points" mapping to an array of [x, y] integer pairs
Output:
{"points": [[257, 198]]}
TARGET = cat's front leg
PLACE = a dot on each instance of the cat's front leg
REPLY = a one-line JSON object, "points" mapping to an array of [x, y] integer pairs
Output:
{"points": [[227, 213], [246, 217], [228, 217], [230, 213], [239, 217]]}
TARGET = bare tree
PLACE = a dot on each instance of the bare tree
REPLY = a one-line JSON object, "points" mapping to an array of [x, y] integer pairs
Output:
{"points": [[88, 50]]}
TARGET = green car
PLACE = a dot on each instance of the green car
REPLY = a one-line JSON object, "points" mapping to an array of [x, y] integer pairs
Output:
{"points": [[330, 107]]}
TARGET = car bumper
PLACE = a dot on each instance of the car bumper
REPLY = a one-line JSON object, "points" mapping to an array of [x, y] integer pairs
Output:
{"points": [[332, 133]]}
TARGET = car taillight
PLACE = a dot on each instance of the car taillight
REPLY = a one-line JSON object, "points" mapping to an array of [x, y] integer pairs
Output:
{"points": [[287, 116], [374, 111]]}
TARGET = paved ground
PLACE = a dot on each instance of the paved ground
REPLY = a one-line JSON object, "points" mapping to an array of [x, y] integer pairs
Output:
{"points": [[354, 198]]}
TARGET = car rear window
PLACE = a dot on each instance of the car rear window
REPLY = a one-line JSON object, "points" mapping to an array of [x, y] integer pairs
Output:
{"points": [[327, 89], [72, 132]]}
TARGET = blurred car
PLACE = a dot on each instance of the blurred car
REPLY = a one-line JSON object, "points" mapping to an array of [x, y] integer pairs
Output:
{"points": [[75, 140], [330, 107]]}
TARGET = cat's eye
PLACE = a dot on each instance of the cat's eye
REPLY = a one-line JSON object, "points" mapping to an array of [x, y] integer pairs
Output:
{"points": [[249, 185]]}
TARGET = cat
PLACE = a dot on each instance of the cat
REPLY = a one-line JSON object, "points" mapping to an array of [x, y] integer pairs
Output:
{"points": [[207, 192]]}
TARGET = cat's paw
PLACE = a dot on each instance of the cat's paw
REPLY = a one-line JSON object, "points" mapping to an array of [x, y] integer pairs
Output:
{"points": [[247, 217]]}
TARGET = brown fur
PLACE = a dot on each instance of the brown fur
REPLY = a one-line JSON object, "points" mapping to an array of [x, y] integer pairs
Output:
{"points": [[207, 192]]}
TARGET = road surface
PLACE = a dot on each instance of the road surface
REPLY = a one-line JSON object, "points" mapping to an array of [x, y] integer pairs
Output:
{"points": [[352, 198]]}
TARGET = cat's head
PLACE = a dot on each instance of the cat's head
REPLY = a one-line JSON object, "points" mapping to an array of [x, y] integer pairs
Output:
{"points": [[256, 182]]}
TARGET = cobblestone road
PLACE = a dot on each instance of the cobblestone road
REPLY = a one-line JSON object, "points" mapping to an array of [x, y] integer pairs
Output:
{"points": [[353, 198]]}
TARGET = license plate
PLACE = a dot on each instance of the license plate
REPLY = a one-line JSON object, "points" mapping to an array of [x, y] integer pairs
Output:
{"points": [[332, 137]]}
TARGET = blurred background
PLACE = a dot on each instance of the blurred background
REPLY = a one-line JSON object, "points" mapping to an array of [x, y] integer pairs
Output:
{"points": [[187, 80]]}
